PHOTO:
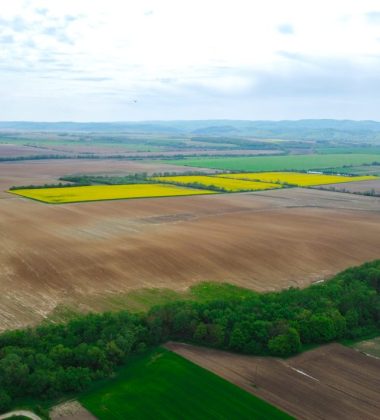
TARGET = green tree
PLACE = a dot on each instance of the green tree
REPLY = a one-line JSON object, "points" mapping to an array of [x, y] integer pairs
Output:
{"points": [[14, 374], [285, 344], [238, 339], [352, 319], [62, 355], [200, 331], [114, 353], [321, 328], [73, 379], [216, 334], [5, 401]]}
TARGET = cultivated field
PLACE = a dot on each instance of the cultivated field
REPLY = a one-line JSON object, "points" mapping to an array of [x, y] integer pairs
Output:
{"points": [[278, 163], [297, 178], [106, 192], [364, 187], [229, 185], [163, 385], [84, 256], [331, 382], [15, 150], [39, 172]]}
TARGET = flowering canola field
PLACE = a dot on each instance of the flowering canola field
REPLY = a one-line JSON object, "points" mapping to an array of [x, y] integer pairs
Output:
{"points": [[225, 183], [296, 178], [106, 192]]}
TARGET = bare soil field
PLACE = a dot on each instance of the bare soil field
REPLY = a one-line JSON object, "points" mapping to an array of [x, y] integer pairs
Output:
{"points": [[356, 187], [331, 382], [82, 255], [13, 150]]}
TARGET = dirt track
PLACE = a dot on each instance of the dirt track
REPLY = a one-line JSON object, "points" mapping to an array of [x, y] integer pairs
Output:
{"points": [[55, 254], [20, 413], [331, 382]]}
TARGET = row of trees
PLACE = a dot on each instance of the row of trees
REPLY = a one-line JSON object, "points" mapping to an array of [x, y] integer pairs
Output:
{"points": [[35, 187], [137, 178], [52, 360]]}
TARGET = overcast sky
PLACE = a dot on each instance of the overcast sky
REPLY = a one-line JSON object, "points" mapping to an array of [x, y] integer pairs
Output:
{"points": [[119, 60]]}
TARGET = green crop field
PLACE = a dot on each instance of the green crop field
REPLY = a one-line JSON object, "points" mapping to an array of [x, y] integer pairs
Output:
{"points": [[278, 163], [163, 385]]}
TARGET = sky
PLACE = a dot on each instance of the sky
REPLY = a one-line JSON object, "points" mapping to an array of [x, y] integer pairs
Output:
{"points": [[123, 60]]}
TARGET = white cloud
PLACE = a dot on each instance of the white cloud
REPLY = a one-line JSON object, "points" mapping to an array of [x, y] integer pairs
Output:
{"points": [[89, 59]]}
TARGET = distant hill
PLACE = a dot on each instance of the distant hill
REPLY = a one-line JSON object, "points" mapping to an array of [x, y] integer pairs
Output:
{"points": [[287, 130]]}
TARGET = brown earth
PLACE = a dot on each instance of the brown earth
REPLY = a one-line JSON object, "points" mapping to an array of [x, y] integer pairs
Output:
{"points": [[356, 187], [13, 150], [331, 382], [79, 254]]}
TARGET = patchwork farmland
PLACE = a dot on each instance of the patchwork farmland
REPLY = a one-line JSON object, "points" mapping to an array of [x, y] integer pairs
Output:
{"points": [[163, 383], [194, 236], [182, 185], [159, 267], [329, 382], [59, 256]]}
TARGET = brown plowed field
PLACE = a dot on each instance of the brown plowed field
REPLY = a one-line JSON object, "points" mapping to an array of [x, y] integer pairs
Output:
{"points": [[356, 187], [331, 382], [14, 150], [85, 253]]}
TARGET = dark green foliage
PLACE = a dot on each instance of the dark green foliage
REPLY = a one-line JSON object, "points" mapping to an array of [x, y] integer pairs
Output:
{"points": [[52, 360], [138, 178], [34, 187], [19, 418], [5, 401], [285, 344]]}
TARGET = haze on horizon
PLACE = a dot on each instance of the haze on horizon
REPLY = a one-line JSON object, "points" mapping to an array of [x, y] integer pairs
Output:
{"points": [[92, 60]]}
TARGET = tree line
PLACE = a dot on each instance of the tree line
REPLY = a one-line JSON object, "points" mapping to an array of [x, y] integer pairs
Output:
{"points": [[52, 360]]}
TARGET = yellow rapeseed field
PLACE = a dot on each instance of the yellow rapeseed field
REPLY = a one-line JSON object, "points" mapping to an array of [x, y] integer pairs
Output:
{"points": [[296, 178], [229, 185], [106, 192]]}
